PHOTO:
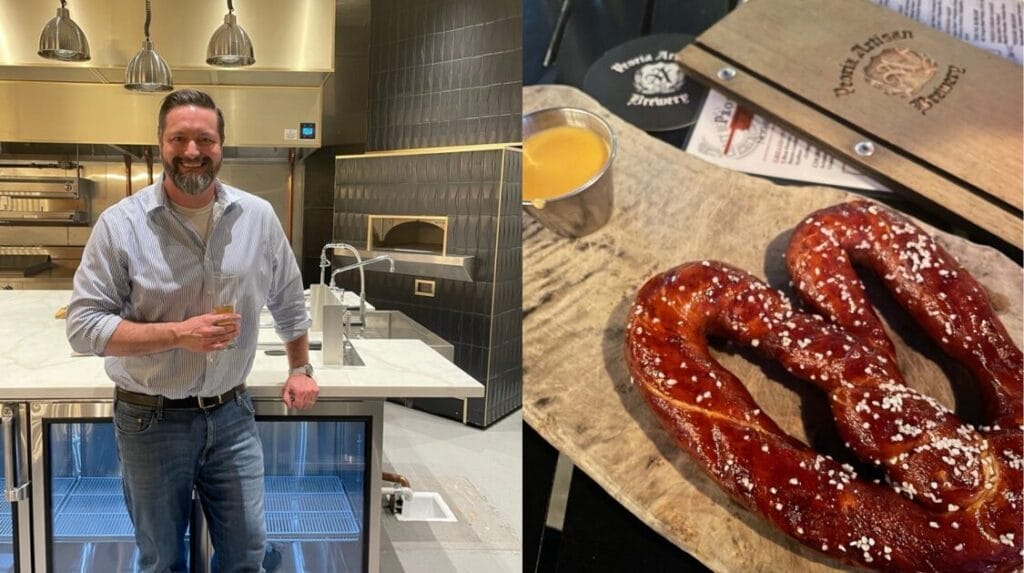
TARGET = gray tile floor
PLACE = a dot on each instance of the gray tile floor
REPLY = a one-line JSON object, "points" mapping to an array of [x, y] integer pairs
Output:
{"points": [[477, 472]]}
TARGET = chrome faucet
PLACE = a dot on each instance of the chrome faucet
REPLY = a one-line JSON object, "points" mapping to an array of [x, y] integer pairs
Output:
{"points": [[325, 262], [362, 282]]}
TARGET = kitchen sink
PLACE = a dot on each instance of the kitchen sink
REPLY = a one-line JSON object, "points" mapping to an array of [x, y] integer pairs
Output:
{"points": [[394, 324], [380, 324]]}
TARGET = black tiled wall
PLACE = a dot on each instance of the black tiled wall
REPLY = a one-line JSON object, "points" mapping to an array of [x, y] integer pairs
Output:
{"points": [[318, 207], [445, 73], [505, 372], [479, 191]]}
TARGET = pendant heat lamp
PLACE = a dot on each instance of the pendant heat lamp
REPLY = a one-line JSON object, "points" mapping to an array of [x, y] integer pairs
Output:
{"points": [[230, 46], [147, 71], [62, 39]]}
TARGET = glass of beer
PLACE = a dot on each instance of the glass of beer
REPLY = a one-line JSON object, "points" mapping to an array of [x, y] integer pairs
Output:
{"points": [[225, 296]]}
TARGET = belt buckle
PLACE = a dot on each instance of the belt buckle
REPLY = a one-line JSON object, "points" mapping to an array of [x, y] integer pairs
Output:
{"points": [[214, 401]]}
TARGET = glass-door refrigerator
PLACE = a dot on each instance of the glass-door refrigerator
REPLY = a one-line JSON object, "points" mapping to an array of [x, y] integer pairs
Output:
{"points": [[15, 511], [322, 471]]}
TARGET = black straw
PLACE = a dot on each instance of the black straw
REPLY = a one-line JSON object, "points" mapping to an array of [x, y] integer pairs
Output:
{"points": [[556, 36]]}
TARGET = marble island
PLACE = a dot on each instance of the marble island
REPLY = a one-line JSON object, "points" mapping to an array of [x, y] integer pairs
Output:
{"points": [[37, 362]]}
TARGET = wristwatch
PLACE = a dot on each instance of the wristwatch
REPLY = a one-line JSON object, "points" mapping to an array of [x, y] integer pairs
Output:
{"points": [[306, 369]]}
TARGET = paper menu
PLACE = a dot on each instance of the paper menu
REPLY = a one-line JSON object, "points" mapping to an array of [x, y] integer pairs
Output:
{"points": [[993, 25], [760, 147]]}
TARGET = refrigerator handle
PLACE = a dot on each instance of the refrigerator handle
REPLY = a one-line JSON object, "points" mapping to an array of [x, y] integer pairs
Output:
{"points": [[12, 492]]}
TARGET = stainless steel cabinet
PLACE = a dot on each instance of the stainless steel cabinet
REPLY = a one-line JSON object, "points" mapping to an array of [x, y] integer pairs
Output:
{"points": [[322, 482]]}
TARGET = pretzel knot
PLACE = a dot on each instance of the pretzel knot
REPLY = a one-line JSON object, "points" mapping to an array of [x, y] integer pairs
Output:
{"points": [[953, 497]]}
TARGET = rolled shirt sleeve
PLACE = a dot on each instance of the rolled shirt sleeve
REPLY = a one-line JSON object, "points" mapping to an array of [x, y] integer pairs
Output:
{"points": [[285, 300], [100, 290]]}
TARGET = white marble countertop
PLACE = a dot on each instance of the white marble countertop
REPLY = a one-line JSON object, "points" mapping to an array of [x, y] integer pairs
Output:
{"points": [[36, 362]]}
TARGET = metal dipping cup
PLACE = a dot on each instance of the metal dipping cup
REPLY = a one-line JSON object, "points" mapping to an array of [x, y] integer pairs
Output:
{"points": [[588, 207]]}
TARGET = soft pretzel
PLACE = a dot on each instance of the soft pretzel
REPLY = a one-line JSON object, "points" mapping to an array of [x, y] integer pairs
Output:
{"points": [[954, 493], [951, 307]]}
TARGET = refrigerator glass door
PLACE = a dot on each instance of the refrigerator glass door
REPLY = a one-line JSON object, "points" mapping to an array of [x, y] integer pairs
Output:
{"points": [[81, 499], [15, 532], [316, 493], [321, 476]]}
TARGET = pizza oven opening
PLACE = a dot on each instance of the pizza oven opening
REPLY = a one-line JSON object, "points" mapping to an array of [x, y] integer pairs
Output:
{"points": [[410, 234]]}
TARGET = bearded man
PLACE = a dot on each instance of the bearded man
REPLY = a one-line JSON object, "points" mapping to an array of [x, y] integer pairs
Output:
{"points": [[143, 298]]}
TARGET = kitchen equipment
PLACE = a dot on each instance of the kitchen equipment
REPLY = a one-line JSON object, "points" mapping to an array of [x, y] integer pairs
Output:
{"points": [[451, 219], [44, 194], [319, 506], [23, 265], [588, 207]]}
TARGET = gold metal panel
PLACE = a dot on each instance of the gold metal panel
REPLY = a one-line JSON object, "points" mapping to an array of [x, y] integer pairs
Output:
{"points": [[293, 36], [47, 112]]}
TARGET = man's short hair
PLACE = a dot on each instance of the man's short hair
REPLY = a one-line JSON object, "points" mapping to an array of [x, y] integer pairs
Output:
{"points": [[188, 97]]}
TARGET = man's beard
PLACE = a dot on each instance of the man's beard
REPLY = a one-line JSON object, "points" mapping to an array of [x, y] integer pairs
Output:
{"points": [[194, 182]]}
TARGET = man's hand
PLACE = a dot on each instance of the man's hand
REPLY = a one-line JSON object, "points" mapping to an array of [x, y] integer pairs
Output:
{"points": [[300, 392], [207, 332]]}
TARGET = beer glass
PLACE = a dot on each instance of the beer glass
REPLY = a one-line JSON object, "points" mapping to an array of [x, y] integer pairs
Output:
{"points": [[225, 296]]}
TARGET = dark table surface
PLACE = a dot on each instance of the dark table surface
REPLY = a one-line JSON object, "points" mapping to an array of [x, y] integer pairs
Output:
{"points": [[598, 534]]}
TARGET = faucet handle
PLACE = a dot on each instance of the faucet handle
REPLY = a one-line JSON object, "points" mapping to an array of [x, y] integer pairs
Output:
{"points": [[346, 321]]}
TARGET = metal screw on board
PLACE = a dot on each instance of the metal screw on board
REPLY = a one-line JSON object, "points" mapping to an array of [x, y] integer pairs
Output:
{"points": [[726, 74], [864, 148]]}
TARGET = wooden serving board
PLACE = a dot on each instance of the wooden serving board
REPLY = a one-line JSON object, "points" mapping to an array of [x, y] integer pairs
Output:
{"points": [[671, 207]]}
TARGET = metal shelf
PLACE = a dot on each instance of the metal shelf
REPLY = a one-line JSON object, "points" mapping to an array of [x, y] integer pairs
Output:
{"points": [[6, 519], [297, 509], [313, 508], [90, 509]]}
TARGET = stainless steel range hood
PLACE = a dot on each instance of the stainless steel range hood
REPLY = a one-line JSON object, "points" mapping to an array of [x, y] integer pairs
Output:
{"points": [[53, 102]]}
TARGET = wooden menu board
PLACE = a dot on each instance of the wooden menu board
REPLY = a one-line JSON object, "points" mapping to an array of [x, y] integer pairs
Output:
{"points": [[943, 118]]}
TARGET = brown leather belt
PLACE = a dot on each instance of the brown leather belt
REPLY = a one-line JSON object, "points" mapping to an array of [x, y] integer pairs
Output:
{"points": [[192, 402]]}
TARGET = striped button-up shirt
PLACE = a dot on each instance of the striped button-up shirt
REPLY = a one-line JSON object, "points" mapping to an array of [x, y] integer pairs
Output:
{"points": [[145, 263]]}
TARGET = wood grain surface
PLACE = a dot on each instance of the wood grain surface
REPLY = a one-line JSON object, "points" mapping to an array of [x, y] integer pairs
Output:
{"points": [[963, 153], [671, 207], [973, 132]]}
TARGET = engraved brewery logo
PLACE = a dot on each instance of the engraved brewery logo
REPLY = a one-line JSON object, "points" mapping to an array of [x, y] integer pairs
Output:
{"points": [[896, 71], [899, 71], [657, 80]]}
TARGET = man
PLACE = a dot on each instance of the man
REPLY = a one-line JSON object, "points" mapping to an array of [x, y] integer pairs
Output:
{"points": [[143, 296]]}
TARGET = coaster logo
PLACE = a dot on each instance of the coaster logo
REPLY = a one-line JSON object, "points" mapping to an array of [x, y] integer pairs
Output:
{"points": [[656, 81], [658, 78]]}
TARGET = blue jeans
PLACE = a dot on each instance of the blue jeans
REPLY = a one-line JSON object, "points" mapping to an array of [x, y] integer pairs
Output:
{"points": [[165, 453]]}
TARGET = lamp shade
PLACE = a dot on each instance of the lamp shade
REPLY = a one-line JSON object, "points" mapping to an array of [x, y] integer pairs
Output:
{"points": [[147, 71], [230, 46], [63, 40]]}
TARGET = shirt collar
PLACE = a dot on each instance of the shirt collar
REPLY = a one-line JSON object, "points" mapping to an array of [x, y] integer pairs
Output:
{"points": [[154, 197]]}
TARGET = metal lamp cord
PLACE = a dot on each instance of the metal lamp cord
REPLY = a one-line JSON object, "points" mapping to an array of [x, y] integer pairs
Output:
{"points": [[149, 10]]}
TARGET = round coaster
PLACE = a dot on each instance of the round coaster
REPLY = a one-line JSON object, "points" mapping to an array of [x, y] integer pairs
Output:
{"points": [[641, 82]]}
